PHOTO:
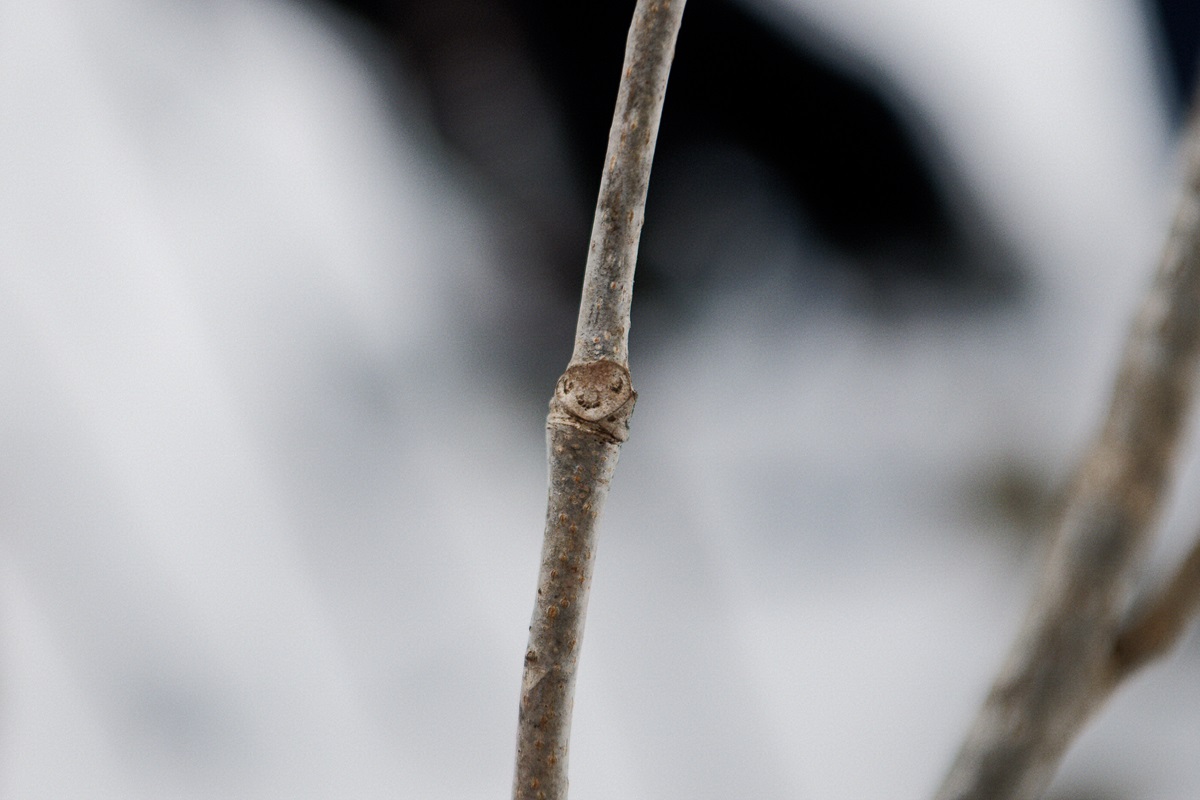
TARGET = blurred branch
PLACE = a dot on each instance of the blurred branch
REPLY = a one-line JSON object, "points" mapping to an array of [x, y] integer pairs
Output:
{"points": [[1161, 621], [1063, 666], [591, 407]]}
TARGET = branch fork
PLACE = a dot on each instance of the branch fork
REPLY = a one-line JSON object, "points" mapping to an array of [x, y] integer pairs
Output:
{"points": [[1078, 643]]}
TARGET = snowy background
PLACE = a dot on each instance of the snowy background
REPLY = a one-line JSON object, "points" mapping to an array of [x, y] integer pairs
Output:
{"points": [[254, 327]]}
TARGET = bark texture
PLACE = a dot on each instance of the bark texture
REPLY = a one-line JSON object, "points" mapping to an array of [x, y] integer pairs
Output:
{"points": [[603, 329], [1068, 656], [590, 410]]}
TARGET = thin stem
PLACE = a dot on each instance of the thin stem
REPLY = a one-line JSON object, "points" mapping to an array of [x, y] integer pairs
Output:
{"points": [[1060, 669], [603, 328], [1161, 621], [590, 409]]}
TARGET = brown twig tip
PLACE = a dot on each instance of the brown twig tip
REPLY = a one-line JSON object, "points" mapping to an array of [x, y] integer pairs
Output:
{"points": [[1161, 621]]}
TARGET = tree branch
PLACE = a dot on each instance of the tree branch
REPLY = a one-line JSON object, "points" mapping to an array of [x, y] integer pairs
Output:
{"points": [[1061, 668], [590, 409], [1161, 621]]}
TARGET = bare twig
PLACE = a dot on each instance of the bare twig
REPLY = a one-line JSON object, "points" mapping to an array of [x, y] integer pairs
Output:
{"points": [[590, 410], [1061, 668], [1161, 620]]}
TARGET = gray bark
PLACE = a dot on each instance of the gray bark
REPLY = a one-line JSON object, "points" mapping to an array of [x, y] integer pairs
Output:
{"points": [[590, 410]]}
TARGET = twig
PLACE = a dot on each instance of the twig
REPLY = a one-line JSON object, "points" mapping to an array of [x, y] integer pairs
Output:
{"points": [[1061, 668], [1161, 621], [590, 410]]}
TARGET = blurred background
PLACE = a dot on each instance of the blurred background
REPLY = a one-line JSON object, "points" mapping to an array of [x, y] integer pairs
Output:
{"points": [[284, 290]]}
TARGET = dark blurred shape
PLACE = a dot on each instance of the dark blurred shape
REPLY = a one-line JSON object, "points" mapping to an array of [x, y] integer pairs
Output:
{"points": [[1179, 23], [737, 81], [523, 91]]}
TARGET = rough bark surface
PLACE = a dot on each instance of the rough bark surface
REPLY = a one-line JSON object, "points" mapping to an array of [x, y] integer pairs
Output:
{"points": [[603, 329], [590, 410]]}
